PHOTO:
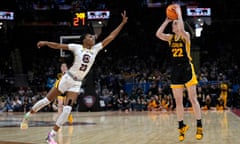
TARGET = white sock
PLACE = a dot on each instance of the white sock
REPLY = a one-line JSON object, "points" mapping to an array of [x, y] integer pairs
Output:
{"points": [[53, 132], [63, 116], [28, 114]]}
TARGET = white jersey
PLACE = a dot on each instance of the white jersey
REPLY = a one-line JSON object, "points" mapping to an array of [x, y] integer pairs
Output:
{"points": [[83, 59]]}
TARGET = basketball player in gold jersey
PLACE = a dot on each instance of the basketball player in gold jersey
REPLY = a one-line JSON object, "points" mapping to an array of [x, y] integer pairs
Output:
{"points": [[61, 98], [84, 56], [183, 74], [224, 94]]}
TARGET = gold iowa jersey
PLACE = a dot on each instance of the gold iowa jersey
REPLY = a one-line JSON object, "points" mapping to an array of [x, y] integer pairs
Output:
{"points": [[180, 50]]}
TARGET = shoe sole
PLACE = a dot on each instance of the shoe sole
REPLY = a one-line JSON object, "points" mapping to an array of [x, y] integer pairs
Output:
{"points": [[186, 129], [23, 126]]}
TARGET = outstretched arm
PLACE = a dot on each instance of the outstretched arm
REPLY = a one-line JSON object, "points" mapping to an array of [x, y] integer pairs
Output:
{"points": [[116, 31], [180, 22], [53, 45], [179, 19]]}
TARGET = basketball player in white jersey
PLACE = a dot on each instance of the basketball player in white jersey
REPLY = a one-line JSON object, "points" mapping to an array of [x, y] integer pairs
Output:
{"points": [[70, 83]]}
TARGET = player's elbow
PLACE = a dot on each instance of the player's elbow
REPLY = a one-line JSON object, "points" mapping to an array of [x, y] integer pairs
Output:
{"points": [[160, 36]]}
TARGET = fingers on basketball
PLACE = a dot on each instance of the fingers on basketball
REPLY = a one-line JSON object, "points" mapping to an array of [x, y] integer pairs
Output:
{"points": [[171, 12]]}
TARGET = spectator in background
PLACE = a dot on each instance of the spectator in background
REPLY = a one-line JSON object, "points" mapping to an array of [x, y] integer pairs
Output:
{"points": [[167, 102], [154, 104], [141, 103], [17, 104], [27, 104], [125, 103], [106, 95], [8, 105], [224, 94], [207, 103]]}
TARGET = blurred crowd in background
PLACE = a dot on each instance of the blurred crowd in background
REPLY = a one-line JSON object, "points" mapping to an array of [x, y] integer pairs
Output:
{"points": [[132, 74]]}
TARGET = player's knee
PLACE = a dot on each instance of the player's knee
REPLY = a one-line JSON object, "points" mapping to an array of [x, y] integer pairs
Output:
{"points": [[67, 109]]}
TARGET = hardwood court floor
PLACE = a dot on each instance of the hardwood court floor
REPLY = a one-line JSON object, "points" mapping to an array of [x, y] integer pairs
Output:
{"points": [[220, 127]]}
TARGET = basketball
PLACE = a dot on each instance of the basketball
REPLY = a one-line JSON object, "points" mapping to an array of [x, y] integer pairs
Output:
{"points": [[171, 13]]}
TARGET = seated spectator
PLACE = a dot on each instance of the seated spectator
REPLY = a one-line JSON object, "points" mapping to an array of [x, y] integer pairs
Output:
{"points": [[220, 104], [114, 102], [123, 102], [141, 104], [27, 104], [106, 96], [154, 104], [17, 104], [6, 106], [133, 102], [207, 103], [167, 102]]}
